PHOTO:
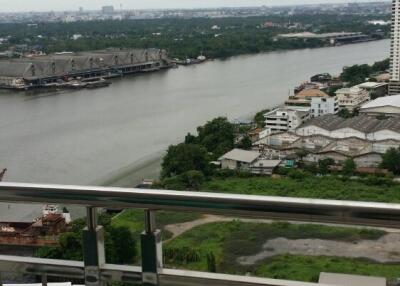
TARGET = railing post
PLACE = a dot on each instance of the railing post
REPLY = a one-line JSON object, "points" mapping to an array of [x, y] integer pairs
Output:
{"points": [[44, 279], [151, 246], [93, 248]]}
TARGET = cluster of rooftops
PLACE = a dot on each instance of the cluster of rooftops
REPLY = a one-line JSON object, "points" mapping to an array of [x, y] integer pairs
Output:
{"points": [[362, 123]]}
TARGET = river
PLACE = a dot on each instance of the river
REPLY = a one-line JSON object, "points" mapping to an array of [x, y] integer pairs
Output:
{"points": [[116, 135]]}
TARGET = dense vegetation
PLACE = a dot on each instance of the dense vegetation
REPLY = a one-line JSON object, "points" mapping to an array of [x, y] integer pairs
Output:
{"points": [[301, 184], [308, 268], [190, 37], [120, 244], [391, 160], [357, 74], [221, 240], [186, 165]]}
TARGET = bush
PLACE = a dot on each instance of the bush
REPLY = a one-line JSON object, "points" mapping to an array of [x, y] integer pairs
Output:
{"points": [[296, 174], [311, 168], [282, 171], [323, 165], [182, 255], [349, 167], [391, 160], [224, 173], [379, 181], [191, 180], [120, 244], [244, 174]]}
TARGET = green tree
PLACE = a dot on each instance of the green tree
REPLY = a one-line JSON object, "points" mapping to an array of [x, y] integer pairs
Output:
{"points": [[391, 160], [120, 245], [349, 167], [323, 165], [190, 139], [185, 157], [245, 143], [217, 136], [301, 154], [259, 118], [344, 113]]}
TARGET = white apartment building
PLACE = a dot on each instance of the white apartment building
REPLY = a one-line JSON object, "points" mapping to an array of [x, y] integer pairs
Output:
{"points": [[352, 98], [324, 105], [285, 119], [394, 85]]}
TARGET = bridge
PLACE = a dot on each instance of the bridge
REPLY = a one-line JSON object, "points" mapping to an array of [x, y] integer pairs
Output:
{"points": [[95, 271]]}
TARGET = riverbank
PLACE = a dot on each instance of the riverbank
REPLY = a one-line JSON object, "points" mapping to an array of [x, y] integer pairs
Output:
{"points": [[127, 176], [80, 137], [133, 174]]}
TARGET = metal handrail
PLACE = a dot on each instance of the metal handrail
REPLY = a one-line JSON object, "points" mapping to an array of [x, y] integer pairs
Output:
{"points": [[285, 208], [132, 274], [151, 273]]}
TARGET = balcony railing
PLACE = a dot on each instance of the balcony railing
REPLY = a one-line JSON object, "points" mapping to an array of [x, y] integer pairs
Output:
{"points": [[95, 271]]}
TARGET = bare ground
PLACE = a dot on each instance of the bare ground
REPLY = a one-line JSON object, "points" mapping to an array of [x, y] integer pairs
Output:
{"points": [[384, 249]]}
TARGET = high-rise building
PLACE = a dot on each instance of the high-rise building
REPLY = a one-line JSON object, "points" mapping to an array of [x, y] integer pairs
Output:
{"points": [[107, 9], [394, 86]]}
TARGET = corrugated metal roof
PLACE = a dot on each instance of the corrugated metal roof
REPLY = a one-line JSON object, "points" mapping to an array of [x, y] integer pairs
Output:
{"points": [[393, 100], [362, 123], [241, 155], [63, 64]]}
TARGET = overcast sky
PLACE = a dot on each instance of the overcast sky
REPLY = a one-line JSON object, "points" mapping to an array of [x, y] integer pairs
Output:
{"points": [[57, 5]]}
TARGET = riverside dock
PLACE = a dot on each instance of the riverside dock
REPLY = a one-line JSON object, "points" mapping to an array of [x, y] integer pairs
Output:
{"points": [[58, 70]]}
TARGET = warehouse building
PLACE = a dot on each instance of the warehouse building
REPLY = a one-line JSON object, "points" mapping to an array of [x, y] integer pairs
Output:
{"points": [[388, 105], [43, 70], [363, 127]]}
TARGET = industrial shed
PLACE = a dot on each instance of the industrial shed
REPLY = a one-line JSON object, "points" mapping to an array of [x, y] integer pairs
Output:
{"points": [[387, 105], [42, 70]]}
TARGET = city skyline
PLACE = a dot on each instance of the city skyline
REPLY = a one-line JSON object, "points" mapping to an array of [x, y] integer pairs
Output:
{"points": [[47, 5]]}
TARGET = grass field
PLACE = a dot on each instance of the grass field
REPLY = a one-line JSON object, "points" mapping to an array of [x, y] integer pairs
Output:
{"points": [[310, 187], [229, 240], [308, 268], [134, 220]]}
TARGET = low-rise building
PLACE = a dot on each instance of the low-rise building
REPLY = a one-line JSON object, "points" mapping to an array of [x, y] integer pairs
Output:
{"points": [[251, 161], [375, 89], [264, 167], [285, 118], [363, 138], [352, 98], [304, 97], [324, 105], [387, 105], [238, 159]]}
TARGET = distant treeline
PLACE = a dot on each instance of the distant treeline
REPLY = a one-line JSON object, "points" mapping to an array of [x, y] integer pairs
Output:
{"points": [[190, 37]]}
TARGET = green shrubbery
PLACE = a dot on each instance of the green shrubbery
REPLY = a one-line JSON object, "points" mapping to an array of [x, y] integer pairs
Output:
{"points": [[120, 243], [227, 241], [373, 189], [308, 268]]}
